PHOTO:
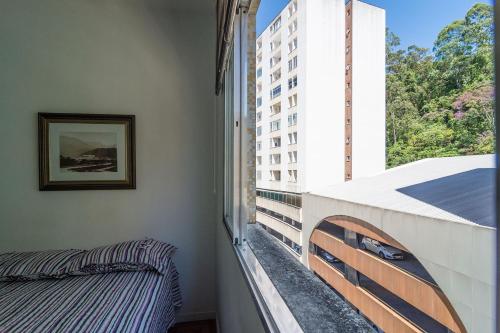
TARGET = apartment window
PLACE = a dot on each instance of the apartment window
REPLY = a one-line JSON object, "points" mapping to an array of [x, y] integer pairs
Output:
{"points": [[259, 72], [275, 108], [259, 160], [259, 44], [292, 9], [292, 82], [292, 63], [292, 176], [275, 44], [292, 138], [274, 60], [286, 198], [275, 125], [292, 27], [292, 119], [276, 75], [292, 45], [259, 101], [275, 175], [276, 91], [292, 157], [259, 116], [281, 218], [259, 131], [259, 58], [275, 142], [276, 25], [259, 146], [274, 159], [259, 175], [292, 101]]}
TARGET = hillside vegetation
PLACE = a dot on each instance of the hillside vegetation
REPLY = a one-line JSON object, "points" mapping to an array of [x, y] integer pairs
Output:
{"points": [[440, 102]]}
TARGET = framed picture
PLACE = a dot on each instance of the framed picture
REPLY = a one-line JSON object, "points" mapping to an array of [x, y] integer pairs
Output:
{"points": [[86, 151]]}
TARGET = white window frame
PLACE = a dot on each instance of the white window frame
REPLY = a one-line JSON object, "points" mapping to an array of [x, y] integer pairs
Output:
{"points": [[237, 140]]}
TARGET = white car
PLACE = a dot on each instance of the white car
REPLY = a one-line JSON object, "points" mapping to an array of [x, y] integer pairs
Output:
{"points": [[382, 250]]}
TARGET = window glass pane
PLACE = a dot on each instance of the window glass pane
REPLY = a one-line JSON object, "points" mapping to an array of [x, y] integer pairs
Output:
{"points": [[228, 144]]}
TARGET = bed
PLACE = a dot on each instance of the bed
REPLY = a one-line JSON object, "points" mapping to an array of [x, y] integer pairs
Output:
{"points": [[87, 291]]}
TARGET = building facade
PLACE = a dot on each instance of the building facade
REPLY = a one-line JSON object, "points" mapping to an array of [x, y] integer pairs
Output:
{"points": [[439, 215], [320, 103]]}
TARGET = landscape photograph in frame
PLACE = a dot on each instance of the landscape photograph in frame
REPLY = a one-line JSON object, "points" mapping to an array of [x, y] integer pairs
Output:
{"points": [[86, 151]]}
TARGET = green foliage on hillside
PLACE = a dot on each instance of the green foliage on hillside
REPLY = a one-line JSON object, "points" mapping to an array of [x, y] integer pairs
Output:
{"points": [[440, 103]]}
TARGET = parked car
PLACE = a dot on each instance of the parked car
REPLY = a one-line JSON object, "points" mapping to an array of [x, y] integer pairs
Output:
{"points": [[328, 257], [382, 250]]}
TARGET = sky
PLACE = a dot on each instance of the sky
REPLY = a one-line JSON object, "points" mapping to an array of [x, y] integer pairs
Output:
{"points": [[416, 22]]}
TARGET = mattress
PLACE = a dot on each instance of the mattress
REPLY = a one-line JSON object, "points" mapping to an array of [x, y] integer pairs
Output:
{"points": [[128, 301]]}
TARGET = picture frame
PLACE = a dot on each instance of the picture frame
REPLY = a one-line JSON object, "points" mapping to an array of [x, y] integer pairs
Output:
{"points": [[86, 151]]}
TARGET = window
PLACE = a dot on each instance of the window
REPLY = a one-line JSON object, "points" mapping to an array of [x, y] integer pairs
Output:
{"points": [[292, 101], [292, 82], [292, 138], [258, 175], [276, 91], [275, 108], [274, 60], [276, 75], [275, 125], [259, 58], [292, 119], [259, 160], [274, 159], [230, 146], [275, 44], [258, 146], [275, 175], [278, 216], [275, 142], [292, 64], [259, 101], [292, 157], [292, 176], [292, 9], [292, 45], [259, 44], [276, 25], [258, 116], [259, 72], [283, 197], [259, 131], [292, 27]]}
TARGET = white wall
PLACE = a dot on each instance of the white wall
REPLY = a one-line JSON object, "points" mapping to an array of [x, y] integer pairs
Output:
{"points": [[236, 310], [131, 57], [321, 93], [368, 90]]}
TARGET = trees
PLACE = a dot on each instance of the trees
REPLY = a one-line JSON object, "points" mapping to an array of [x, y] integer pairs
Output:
{"points": [[440, 103]]}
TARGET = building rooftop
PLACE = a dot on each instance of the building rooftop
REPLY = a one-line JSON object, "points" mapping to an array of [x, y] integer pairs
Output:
{"points": [[458, 189]]}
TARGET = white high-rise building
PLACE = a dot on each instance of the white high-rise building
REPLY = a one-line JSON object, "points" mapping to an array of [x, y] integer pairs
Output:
{"points": [[320, 106]]}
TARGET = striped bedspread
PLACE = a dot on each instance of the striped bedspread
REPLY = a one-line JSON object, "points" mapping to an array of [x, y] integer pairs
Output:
{"points": [[138, 301]]}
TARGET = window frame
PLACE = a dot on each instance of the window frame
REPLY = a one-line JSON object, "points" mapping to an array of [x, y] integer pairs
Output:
{"points": [[237, 140]]}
